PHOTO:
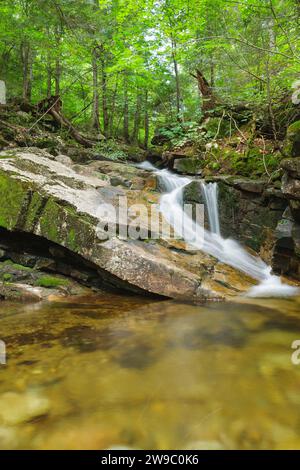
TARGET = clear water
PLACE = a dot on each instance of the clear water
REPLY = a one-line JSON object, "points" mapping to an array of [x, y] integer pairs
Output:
{"points": [[115, 371]]}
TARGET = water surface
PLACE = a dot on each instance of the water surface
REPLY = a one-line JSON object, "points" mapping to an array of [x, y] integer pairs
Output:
{"points": [[118, 371]]}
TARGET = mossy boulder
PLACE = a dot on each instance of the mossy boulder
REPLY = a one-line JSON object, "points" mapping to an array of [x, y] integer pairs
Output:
{"points": [[292, 141], [42, 197], [188, 166]]}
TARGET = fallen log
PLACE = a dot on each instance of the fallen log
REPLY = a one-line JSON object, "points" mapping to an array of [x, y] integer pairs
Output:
{"points": [[52, 106]]}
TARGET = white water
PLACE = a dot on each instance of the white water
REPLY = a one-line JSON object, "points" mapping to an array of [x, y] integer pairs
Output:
{"points": [[210, 193], [227, 250]]}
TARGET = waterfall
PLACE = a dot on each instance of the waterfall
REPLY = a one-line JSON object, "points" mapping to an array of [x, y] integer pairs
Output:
{"points": [[227, 251], [210, 193]]}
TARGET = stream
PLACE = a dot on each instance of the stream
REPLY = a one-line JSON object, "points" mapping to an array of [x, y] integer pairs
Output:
{"points": [[116, 371], [119, 371]]}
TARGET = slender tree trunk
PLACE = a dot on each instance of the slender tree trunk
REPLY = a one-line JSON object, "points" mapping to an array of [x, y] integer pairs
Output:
{"points": [[177, 81], [57, 65], [104, 99], [26, 57], [95, 112], [146, 121], [272, 46], [113, 107], [212, 73], [126, 110], [49, 76], [137, 118], [5, 57], [57, 76]]}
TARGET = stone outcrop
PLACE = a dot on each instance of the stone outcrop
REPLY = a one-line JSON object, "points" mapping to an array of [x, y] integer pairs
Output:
{"points": [[249, 211], [49, 198], [260, 215], [287, 247]]}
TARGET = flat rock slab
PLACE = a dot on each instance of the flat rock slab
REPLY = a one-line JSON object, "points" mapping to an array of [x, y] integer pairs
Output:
{"points": [[60, 203]]}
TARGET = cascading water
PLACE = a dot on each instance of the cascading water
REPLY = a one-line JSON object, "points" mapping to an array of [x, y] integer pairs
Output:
{"points": [[228, 251], [210, 193]]}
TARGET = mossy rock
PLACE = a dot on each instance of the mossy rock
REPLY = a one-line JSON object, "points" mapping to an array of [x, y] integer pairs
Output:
{"points": [[292, 142], [188, 166], [51, 282], [192, 193]]}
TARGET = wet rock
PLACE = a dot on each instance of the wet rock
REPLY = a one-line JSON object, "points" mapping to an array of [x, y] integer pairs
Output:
{"points": [[20, 408], [247, 212], [20, 293], [8, 438], [45, 198], [286, 251]]}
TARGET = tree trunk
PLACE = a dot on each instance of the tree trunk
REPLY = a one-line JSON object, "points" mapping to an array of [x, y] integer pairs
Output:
{"points": [[137, 118], [49, 76], [57, 76], [146, 121], [177, 82], [113, 107], [212, 73], [126, 111], [26, 58], [206, 92], [95, 113], [52, 106], [104, 99]]}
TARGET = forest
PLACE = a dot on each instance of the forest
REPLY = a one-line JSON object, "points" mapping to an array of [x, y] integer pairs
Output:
{"points": [[126, 68]]}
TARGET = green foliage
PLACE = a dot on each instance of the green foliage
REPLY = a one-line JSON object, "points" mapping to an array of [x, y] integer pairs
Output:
{"points": [[144, 52], [111, 149]]}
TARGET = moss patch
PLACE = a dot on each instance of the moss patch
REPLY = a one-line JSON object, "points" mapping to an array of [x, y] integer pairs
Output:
{"points": [[51, 282]]}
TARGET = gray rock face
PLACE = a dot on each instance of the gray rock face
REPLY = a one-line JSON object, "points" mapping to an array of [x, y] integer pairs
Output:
{"points": [[60, 203], [290, 187], [263, 218], [286, 252], [292, 166]]}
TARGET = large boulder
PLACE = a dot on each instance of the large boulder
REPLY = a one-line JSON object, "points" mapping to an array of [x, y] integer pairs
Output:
{"points": [[292, 142], [188, 166], [291, 184], [49, 200]]}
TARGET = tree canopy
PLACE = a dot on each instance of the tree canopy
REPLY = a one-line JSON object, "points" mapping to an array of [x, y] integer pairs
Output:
{"points": [[127, 66]]}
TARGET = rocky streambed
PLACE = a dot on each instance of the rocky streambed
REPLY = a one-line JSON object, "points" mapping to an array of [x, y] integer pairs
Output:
{"points": [[50, 209], [51, 222]]}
